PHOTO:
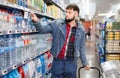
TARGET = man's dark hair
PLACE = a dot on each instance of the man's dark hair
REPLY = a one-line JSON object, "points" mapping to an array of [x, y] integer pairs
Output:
{"points": [[74, 7]]}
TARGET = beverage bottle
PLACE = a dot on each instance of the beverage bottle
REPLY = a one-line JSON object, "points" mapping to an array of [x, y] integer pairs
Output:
{"points": [[42, 59], [19, 48], [14, 1], [16, 74], [17, 56], [2, 54], [1, 16], [26, 70], [38, 66], [21, 71], [11, 50], [32, 69], [19, 19], [6, 51]]}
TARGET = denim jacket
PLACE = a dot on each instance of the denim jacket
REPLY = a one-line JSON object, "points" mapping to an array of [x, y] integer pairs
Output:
{"points": [[57, 29]]}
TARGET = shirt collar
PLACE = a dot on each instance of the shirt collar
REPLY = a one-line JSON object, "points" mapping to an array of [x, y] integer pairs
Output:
{"points": [[69, 25]]}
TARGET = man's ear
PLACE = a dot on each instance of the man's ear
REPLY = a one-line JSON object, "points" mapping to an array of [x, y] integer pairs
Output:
{"points": [[76, 14]]}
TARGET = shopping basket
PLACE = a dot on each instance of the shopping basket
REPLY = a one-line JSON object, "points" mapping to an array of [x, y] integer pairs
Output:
{"points": [[90, 68]]}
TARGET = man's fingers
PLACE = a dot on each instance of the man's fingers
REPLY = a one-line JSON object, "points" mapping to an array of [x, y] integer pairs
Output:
{"points": [[32, 14]]}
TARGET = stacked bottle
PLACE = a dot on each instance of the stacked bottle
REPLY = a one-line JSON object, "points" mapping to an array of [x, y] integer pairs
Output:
{"points": [[11, 20], [33, 69], [17, 48]]}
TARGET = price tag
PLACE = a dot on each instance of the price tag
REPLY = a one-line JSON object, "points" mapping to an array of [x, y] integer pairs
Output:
{"points": [[28, 10], [25, 9], [15, 5], [20, 7], [25, 14]]}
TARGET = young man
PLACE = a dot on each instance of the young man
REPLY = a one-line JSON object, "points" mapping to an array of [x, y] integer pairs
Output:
{"points": [[68, 43]]}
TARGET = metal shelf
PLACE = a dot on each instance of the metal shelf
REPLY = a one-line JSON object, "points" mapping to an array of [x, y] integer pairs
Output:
{"points": [[52, 2], [113, 52], [112, 30], [17, 32]]}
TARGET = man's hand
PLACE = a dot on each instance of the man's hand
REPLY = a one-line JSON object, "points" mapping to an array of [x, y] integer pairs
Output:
{"points": [[34, 17], [87, 67]]}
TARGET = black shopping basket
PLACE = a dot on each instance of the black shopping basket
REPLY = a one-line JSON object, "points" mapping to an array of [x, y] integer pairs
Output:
{"points": [[90, 68]]}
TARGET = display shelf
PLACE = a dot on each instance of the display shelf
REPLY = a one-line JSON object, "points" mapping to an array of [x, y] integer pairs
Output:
{"points": [[5, 71], [112, 30], [113, 52], [52, 2], [17, 32], [11, 5], [5, 5]]}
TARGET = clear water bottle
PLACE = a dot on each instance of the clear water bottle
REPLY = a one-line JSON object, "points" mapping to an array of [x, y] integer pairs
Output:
{"points": [[10, 50], [2, 54], [6, 54], [32, 69], [38, 66], [19, 48]]}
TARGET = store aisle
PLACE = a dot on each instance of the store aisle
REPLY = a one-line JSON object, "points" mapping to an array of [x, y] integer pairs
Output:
{"points": [[92, 60]]}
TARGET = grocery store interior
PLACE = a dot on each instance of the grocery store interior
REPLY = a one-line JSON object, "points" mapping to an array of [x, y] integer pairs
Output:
{"points": [[24, 53]]}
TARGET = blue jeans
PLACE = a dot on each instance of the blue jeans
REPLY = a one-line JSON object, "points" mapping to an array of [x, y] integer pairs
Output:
{"points": [[64, 68]]}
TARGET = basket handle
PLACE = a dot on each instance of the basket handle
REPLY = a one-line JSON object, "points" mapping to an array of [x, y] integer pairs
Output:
{"points": [[90, 68]]}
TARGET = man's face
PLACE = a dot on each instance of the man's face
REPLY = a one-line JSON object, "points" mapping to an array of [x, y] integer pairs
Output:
{"points": [[70, 15]]}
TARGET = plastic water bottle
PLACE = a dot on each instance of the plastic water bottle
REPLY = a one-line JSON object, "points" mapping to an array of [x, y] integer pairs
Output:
{"points": [[4, 50], [21, 71], [42, 59], [38, 67], [19, 48], [2, 54], [32, 69], [11, 46], [26, 70]]}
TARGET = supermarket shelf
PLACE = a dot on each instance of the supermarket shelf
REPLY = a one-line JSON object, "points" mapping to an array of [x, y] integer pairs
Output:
{"points": [[113, 52], [4, 72], [112, 30], [7, 4], [17, 32], [52, 2], [112, 40]]}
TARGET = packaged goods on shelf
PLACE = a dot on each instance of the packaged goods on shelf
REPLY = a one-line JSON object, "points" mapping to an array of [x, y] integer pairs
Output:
{"points": [[116, 26], [112, 57], [111, 69], [21, 48]]}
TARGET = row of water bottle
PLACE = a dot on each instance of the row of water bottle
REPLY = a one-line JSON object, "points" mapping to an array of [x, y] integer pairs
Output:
{"points": [[36, 68], [17, 48], [12, 20], [32, 4]]}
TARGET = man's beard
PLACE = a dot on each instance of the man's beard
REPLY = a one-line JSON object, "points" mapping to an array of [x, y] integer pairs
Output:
{"points": [[69, 20]]}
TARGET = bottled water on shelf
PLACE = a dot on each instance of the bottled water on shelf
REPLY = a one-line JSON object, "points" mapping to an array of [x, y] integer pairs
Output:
{"points": [[11, 46], [2, 54], [32, 69], [38, 67]]}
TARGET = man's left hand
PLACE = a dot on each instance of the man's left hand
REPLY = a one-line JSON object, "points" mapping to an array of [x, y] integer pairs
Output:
{"points": [[87, 67]]}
